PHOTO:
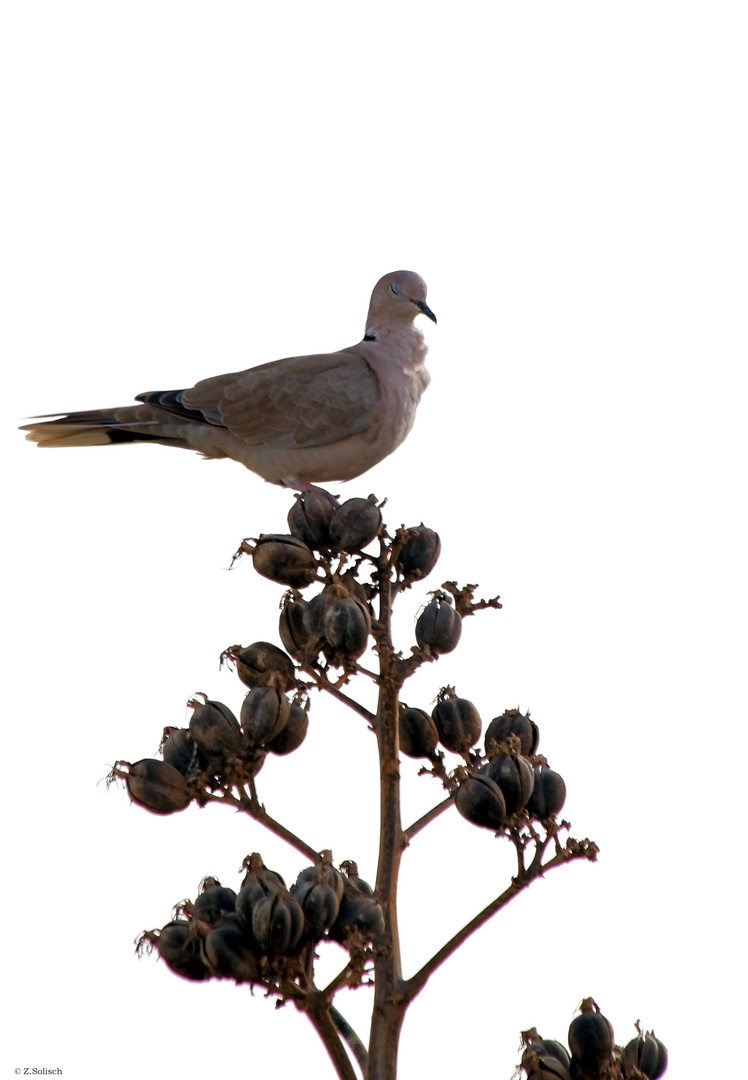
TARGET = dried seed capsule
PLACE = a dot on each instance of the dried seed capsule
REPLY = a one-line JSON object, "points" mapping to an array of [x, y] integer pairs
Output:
{"points": [[277, 923], [314, 621], [418, 734], [548, 794], [264, 714], [258, 874], [513, 722], [481, 802], [293, 734], [157, 786], [229, 955], [355, 524], [418, 555], [214, 902], [457, 721], [345, 627], [179, 948], [284, 559], [178, 749], [360, 917], [215, 729], [591, 1042], [309, 519], [293, 632], [439, 626], [353, 885], [263, 664], [548, 1048], [515, 777], [319, 901], [647, 1054], [258, 883], [543, 1066]]}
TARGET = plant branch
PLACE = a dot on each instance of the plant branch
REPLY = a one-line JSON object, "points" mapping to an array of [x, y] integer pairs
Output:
{"points": [[253, 808], [354, 1042], [319, 1013], [427, 818], [574, 849], [323, 683]]}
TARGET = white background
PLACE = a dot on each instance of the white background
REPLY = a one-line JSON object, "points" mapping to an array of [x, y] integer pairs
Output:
{"points": [[195, 188]]}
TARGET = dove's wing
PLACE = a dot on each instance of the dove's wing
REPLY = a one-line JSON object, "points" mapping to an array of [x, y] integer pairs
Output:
{"points": [[299, 401]]}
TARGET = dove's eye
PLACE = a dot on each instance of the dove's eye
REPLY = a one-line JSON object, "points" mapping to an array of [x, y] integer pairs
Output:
{"points": [[395, 288]]}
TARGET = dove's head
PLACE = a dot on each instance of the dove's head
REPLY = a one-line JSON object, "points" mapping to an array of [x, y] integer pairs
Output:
{"points": [[397, 299]]}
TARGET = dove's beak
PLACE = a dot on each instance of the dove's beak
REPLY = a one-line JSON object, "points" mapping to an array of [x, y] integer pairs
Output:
{"points": [[425, 309]]}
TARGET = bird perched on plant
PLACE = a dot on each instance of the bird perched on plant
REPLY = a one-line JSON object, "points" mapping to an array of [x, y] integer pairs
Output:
{"points": [[296, 422]]}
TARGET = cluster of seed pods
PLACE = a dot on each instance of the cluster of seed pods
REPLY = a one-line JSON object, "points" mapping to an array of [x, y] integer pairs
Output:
{"points": [[592, 1053], [217, 749], [509, 779], [264, 932]]}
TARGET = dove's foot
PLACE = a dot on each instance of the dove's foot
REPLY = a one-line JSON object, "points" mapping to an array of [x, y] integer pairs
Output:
{"points": [[305, 487]]}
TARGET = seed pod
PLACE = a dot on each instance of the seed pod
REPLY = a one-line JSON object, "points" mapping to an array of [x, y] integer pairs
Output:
{"points": [[353, 885], [314, 621], [355, 524], [591, 1042], [229, 955], [513, 722], [179, 948], [157, 786], [178, 749], [258, 874], [264, 714], [543, 1066], [346, 627], [514, 775], [214, 902], [284, 559], [359, 917], [293, 632], [215, 729], [457, 721], [319, 901], [324, 870], [647, 1054], [258, 883], [439, 626], [418, 734], [277, 923], [293, 734], [548, 794], [481, 802], [548, 1048], [263, 664], [309, 519], [418, 555]]}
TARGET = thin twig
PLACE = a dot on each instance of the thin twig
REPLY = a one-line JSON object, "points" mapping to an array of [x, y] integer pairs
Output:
{"points": [[254, 809], [320, 1017], [356, 1045], [575, 849], [427, 818], [323, 683]]}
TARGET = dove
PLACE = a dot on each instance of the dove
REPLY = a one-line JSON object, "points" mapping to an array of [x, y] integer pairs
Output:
{"points": [[295, 422]]}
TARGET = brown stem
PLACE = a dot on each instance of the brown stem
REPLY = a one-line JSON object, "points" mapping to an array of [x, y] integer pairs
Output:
{"points": [[427, 818], [389, 1006], [355, 1044], [318, 1011], [252, 807], [324, 683]]}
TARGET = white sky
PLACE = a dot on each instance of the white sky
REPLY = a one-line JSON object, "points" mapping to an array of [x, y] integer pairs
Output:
{"points": [[195, 188]]}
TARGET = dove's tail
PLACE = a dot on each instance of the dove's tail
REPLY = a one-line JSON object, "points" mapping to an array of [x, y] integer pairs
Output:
{"points": [[103, 427]]}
